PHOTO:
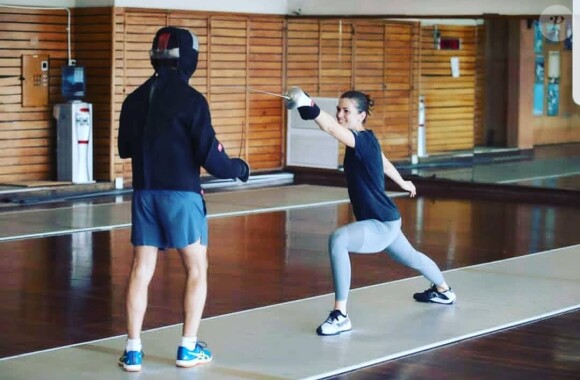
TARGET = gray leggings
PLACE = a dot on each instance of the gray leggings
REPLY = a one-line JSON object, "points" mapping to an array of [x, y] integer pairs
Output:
{"points": [[370, 236]]}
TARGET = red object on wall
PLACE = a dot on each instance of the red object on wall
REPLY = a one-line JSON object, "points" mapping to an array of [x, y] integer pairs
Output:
{"points": [[449, 43]]}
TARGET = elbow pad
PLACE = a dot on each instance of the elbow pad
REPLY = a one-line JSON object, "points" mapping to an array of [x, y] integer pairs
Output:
{"points": [[219, 164], [307, 109]]}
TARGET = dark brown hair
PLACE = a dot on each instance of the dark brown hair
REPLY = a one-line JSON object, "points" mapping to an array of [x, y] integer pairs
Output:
{"points": [[363, 102]]}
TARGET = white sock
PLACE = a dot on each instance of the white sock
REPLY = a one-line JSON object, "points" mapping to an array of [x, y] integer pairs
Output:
{"points": [[134, 345], [188, 342]]}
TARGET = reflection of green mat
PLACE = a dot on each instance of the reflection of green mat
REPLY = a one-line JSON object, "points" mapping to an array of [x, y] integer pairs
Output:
{"points": [[570, 182], [513, 171], [18, 225], [279, 342], [35, 183]]}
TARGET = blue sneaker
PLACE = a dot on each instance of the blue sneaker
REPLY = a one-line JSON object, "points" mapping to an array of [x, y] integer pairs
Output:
{"points": [[190, 358], [131, 361]]}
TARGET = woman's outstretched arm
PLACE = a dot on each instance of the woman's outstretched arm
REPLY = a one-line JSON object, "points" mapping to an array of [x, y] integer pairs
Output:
{"points": [[309, 111]]}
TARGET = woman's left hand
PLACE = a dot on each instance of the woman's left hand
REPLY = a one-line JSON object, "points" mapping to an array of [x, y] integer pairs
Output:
{"points": [[408, 186]]}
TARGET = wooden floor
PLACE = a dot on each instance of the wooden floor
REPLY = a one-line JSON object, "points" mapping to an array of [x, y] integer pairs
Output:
{"points": [[68, 289], [548, 349]]}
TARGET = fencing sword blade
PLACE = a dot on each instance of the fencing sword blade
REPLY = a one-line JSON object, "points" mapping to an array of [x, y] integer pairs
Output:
{"points": [[250, 89], [268, 93]]}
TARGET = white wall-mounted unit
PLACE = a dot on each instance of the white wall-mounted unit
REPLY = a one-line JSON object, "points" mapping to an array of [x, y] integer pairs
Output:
{"points": [[309, 146]]}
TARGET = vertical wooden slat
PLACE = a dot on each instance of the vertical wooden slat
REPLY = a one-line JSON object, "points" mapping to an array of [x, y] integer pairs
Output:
{"points": [[302, 57], [93, 35], [136, 31], [399, 105], [266, 113], [335, 56], [228, 54], [413, 96], [245, 134], [479, 132], [283, 151]]}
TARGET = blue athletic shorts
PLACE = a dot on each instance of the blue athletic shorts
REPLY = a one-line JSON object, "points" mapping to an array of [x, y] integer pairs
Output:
{"points": [[168, 219]]}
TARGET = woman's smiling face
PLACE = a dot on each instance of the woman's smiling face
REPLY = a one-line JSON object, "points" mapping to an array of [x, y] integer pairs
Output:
{"points": [[348, 115]]}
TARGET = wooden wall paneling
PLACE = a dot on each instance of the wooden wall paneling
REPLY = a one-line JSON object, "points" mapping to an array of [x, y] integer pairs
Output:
{"points": [[93, 35], [122, 168], [265, 132], [400, 106], [228, 52], [450, 102], [27, 134], [304, 57], [198, 24], [414, 96], [336, 61], [335, 57], [479, 116], [246, 123], [383, 69], [231, 59], [303, 54], [134, 31], [367, 55], [130, 35], [368, 72]]}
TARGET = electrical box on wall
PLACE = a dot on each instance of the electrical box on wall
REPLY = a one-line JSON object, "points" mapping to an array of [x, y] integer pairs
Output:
{"points": [[35, 80]]}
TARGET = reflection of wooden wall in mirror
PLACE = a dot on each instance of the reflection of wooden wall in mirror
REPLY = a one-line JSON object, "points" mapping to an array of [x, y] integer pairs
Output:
{"points": [[481, 79], [495, 69], [450, 101], [563, 125], [526, 130]]}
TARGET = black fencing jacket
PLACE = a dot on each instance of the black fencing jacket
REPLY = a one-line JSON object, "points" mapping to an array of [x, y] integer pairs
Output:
{"points": [[165, 128]]}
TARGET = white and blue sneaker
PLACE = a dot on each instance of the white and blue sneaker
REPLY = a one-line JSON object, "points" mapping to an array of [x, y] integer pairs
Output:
{"points": [[434, 296], [190, 358], [335, 324], [131, 361]]}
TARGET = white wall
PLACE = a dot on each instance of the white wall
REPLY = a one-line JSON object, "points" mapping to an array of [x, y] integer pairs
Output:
{"points": [[40, 3], [279, 7], [421, 7], [94, 3], [59, 3], [323, 7]]}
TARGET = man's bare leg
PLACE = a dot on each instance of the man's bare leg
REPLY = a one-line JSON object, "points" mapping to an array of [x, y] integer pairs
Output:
{"points": [[142, 270], [194, 258]]}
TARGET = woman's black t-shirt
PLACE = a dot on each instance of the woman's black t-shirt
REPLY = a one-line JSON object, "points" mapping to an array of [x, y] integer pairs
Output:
{"points": [[363, 166]]}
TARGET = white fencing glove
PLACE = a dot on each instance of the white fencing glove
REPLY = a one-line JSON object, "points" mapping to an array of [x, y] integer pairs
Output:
{"points": [[307, 109]]}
